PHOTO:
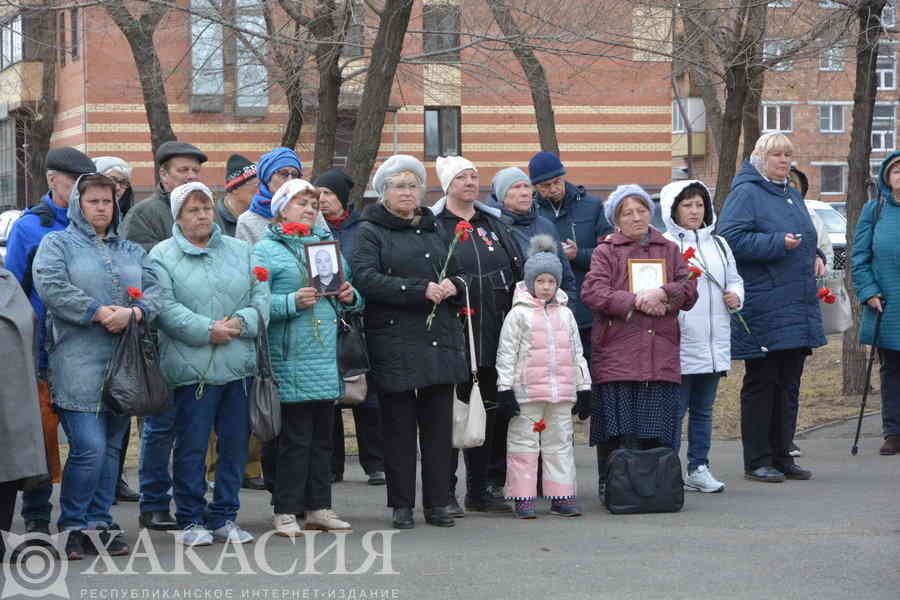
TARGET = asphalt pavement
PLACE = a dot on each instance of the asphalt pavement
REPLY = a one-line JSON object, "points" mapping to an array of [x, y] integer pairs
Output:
{"points": [[834, 537]]}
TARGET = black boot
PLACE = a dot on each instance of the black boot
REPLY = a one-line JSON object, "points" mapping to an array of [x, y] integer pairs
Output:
{"points": [[439, 516], [403, 518]]}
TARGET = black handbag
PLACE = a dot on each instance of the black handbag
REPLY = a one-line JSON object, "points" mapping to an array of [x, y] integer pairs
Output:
{"points": [[352, 352], [265, 406], [643, 481], [133, 385]]}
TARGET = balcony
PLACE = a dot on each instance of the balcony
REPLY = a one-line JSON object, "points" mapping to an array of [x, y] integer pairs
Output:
{"points": [[697, 144], [21, 84]]}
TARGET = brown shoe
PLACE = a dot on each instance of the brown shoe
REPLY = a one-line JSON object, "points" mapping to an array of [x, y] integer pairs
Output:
{"points": [[891, 445]]}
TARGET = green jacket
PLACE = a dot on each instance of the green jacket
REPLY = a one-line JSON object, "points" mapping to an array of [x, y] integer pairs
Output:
{"points": [[198, 286], [303, 344]]}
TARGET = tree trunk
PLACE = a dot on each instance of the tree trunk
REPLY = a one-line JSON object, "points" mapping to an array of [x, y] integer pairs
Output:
{"points": [[291, 134], [853, 358], [139, 33], [735, 96], [41, 126], [289, 61], [534, 73], [328, 53], [392, 26], [752, 109]]}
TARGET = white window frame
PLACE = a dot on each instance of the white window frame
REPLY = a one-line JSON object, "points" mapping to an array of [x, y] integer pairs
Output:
{"points": [[778, 47], [889, 14], [830, 4], [766, 126], [826, 113], [832, 59], [887, 78], [678, 124], [881, 135], [781, 3], [843, 176]]}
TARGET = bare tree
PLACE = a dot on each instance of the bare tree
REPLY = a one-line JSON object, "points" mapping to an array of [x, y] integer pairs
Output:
{"points": [[40, 124], [288, 58]]}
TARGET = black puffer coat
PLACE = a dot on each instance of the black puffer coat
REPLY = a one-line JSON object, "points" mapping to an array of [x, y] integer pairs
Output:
{"points": [[393, 261]]}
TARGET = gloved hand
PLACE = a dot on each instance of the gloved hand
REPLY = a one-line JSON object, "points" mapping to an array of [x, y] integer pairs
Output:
{"points": [[507, 405], [582, 406]]}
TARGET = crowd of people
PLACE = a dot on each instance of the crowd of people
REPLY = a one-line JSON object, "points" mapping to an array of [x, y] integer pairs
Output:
{"points": [[578, 308]]}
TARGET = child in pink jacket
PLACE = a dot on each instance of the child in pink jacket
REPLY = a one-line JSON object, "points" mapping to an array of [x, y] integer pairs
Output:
{"points": [[541, 371]]}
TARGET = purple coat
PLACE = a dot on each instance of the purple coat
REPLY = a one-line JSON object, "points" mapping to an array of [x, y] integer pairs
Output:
{"points": [[636, 347]]}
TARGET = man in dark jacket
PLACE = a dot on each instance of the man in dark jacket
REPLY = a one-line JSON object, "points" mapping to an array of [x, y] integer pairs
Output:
{"points": [[492, 258], [579, 222], [240, 186], [64, 165]]}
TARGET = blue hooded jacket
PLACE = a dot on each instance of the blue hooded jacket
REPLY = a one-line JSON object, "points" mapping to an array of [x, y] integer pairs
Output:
{"points": [[24, 239], [267, 165], [876, 264], [780, 306]]}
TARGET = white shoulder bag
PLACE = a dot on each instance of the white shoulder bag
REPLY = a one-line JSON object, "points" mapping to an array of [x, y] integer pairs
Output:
{"points": [[469, 420]]}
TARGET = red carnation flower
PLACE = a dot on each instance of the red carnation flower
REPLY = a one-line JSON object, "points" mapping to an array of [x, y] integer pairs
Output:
{"points": [[539, 426], [463, 228], [298, 229], [465, 311], [829, 299], [822, 293], [261, 273], [695, 272], [688, 254], [135, 294]]}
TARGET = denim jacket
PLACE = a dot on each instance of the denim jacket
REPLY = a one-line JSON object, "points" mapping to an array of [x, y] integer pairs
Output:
{"points": [[75, 273]]}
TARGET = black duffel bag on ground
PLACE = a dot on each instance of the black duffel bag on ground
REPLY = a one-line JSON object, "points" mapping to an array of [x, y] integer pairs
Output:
{"points": [[643, 481]]}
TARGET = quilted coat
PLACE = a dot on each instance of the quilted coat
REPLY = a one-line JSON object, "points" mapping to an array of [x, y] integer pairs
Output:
{"points": [[540, 355], [629, 345], [302, 343], [705, 328], [393, 261], [75, 273], [198, 286], [781, 307], [876, 265]]}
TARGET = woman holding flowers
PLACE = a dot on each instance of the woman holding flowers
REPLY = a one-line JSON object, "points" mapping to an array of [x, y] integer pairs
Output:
{"points": [[687, 211], [211, 303], [91, 283], [303, 332], [774, 241], [634, 364], [397, 262]]}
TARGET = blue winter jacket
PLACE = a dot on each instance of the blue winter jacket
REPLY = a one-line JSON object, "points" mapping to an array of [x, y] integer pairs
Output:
{"points": [[579, 217], [345, 233], [76, 272], [302, 343], [21, 247], [876, 264], [780, 307], [198, 286]]}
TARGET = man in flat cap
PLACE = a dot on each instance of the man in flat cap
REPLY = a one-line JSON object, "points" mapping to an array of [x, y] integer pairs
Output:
{"points": [[150, 221], [64, 165]]}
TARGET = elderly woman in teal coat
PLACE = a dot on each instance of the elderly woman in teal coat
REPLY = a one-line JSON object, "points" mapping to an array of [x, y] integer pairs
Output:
{"points": [[303, 345], [876, 279]]}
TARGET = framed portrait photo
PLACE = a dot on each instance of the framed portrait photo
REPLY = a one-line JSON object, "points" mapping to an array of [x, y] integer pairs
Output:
{"points": [[323, 264], [646, 273]]}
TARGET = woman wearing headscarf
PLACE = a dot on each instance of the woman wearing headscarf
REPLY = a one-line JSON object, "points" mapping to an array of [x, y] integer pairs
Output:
{"points": [[273, 170], [303, 334], [635, 360], [767, 226], [86, 275], [397, 257], [120, 172], [211, 306], [876, 279]]}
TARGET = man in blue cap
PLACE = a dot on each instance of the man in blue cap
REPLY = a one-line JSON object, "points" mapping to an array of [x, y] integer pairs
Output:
{"points": [[579, 221]]}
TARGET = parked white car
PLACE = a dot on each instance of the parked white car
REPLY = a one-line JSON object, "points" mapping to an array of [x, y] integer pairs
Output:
{"points": [[7, 218], [836, 225]]}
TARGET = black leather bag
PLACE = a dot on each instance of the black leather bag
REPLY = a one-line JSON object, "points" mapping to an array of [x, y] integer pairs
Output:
{"points": [[352, 352], [643, 481], [265, 406], [133, 385]]}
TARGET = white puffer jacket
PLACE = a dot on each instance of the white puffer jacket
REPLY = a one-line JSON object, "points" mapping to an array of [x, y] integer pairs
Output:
{"points": [[706, 328]]}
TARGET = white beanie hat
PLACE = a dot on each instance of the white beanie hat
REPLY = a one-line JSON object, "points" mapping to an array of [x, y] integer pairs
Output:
{"points": [[449, 167], [180, 194], [619, 194], [107, 163], [288, 190], [398, 163]]}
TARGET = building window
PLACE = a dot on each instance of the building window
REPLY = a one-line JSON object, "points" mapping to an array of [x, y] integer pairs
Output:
{"points": [[678, 125], [781, 3], [883, 128], [8, 172], [442, 31], [773, 49], [886, 66], [207, 75], [442, 131], [832, 59], [777, 117], [829, 4], [889, 14], [355, 32], [251, 74], [61, 37], [832, 179], [75, 34], [10, 42], [831, 118]]}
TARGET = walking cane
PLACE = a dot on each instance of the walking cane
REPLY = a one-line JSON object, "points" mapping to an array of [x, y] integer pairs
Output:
{"points": [[862, 406]]}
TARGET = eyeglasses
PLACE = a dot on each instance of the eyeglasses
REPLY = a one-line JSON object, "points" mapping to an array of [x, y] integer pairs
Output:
{"points": [[406, 187], [288, 174]]}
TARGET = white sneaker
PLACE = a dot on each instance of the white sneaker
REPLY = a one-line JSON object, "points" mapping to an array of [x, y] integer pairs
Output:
{"points": [[325, 520], [286, 525], [703, 481], [195, 535], [230, 532]]}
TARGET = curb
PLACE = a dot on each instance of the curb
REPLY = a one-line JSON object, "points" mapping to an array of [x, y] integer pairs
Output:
{"points": [[803, 433]]}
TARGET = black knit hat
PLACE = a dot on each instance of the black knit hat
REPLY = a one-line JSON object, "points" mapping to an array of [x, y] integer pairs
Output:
{"points": [[238, 171], [69, 160], [169, 150], [799, 180], [338, 182]]}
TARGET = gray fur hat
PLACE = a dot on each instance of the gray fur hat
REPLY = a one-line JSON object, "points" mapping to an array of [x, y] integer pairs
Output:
{"points": [[542, 258]]}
